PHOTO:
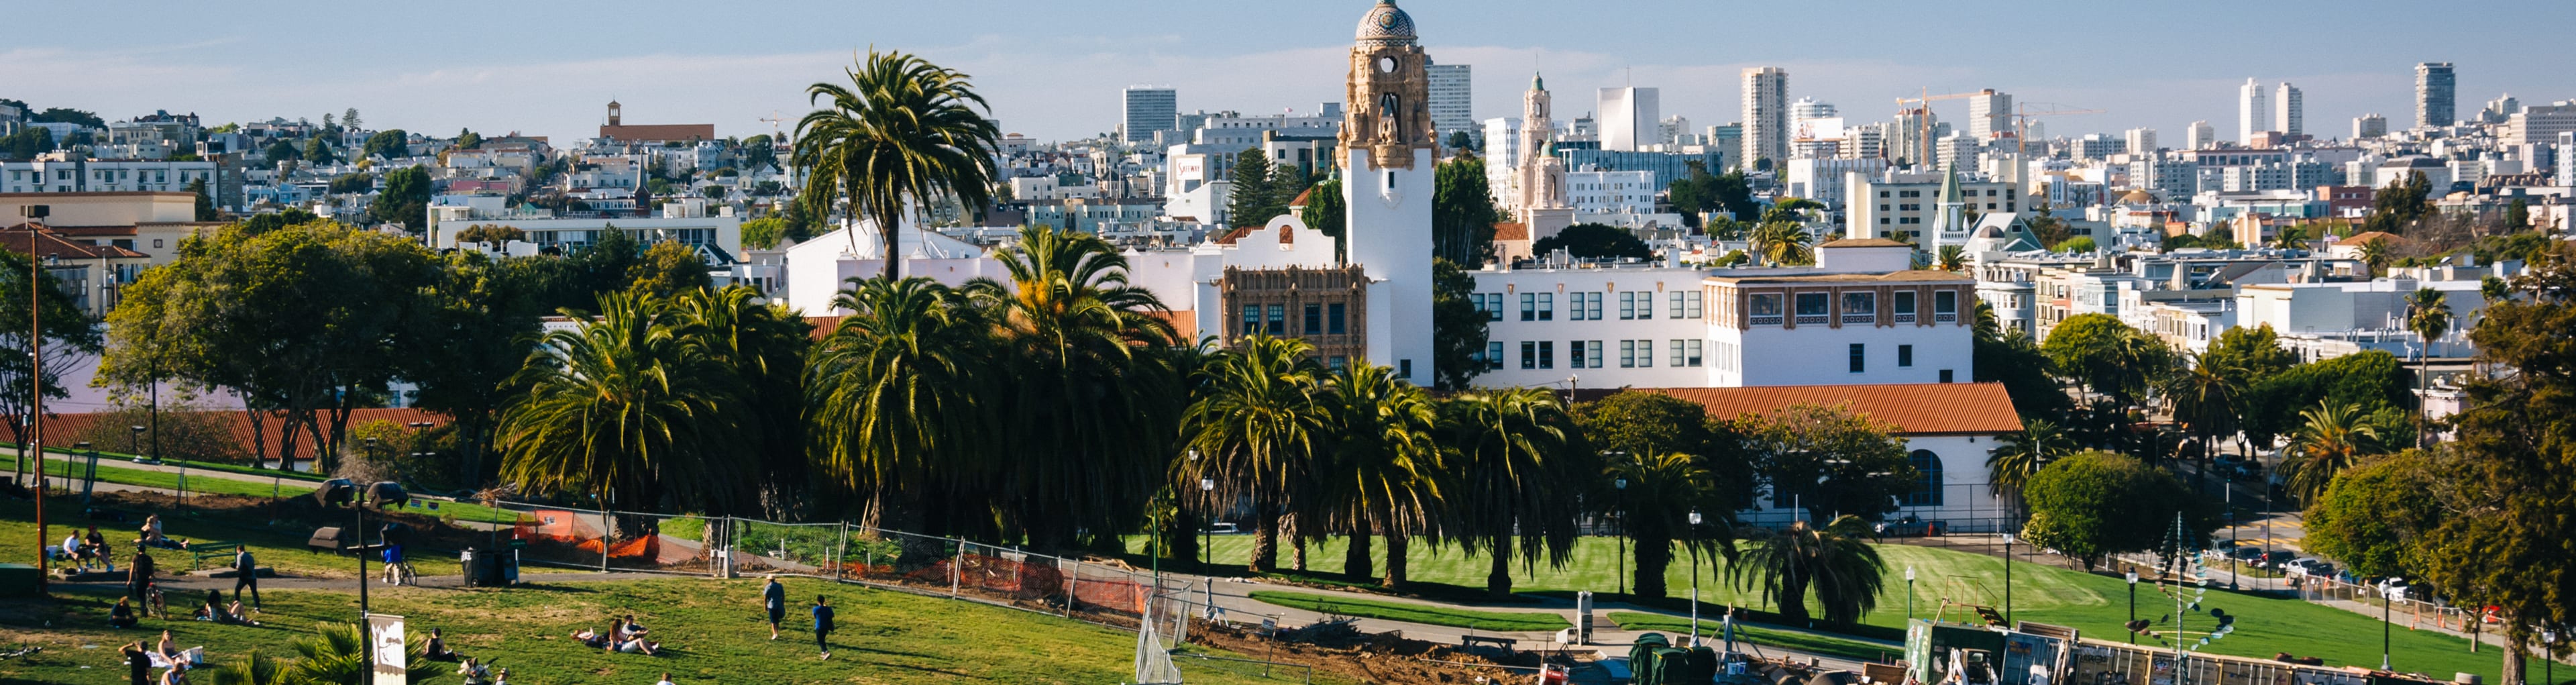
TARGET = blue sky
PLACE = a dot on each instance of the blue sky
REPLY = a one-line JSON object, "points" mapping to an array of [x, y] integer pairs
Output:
{"points": [[1052, 69]]}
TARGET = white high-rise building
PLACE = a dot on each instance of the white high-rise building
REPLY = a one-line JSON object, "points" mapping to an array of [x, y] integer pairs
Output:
{"points": [[2289, 110], [1989, 114], [1387, 168], [1452, 107], [1806, 109], [2199, 136], [1766, 115], [2252, 115], [2369, 126], [2142, 141], [1629, 118], [1676, 130], [1149, 109]]}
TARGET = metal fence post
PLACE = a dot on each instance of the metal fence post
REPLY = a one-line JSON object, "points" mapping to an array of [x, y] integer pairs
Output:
{"points": [[841, 553], [1074, 572], [606, 538], [956, 567]]}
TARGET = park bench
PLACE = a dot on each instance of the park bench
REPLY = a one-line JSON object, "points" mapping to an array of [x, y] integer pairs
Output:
{"points": [[199, 552], [1504, 644]]}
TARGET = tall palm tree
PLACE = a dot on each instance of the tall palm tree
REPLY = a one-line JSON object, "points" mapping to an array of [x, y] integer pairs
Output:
{"points": [[2019, 455], [1835, 561], [1953, 258], [337, 653], [2334, 437], [2291, 238], [1258, 431], [1781, 243], [1378, 479], [2204, 400], [1093, 390], [897, 395], [624, 407], [902, 134], [1520, 465], [1662, 491], [763, 345], [2428, 314], [2377, 255]]}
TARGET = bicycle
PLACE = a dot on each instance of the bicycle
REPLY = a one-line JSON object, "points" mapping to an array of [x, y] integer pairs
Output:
{"points": [[401, 573]]}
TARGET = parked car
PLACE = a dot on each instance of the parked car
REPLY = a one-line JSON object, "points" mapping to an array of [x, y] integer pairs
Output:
{"points": [[2278, 558], [2245, 553]]}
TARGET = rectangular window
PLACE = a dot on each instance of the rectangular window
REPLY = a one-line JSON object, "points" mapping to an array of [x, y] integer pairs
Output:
{"points": [[1314, 319], [1585, 354], [1686, 353], [1686, 304], [1945, 375], [1491, 304], [1529, 306], [1583, 307], [1858, 360], [1336, 362], [1904, 356], [1494, 356], [1628, 354], [1547, 354], [1903, 306], [1764, 308], [1645, 353], [1337, 318], [1547, 306], [1278, 324], [1251, 319], [1529, 355], [1945, 306], [1404, 367], [1628, 305], [1812, 308], [1860, 307]]}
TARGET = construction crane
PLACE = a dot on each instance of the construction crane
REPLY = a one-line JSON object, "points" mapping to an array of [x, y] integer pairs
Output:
{"points": [[2021, 123], [774, 118], [1923, 124]]}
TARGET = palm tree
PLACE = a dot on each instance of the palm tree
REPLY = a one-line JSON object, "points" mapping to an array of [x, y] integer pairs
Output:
{"points": [[896, 391], [1953, 258], [764, 346], [1090, 383], [2376, 254], [1258, 431], [624, 407], [2335, 437], [256, 668], [2204, 399], [1781, 242], [1378, 479], [1521, 463], [2291, 238], [1835, 561], [2428, 314], [1662, 491], [901, 135], [335, 653], [2022, 454]]}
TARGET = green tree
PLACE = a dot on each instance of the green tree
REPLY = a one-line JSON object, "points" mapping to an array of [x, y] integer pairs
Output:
{"points": [[282, 151], [1326, 212], [626, 408], [2374, 515], [2377, 253], [1829, 460], [2248, 356], [1696, 193], [1459, 140], [1783, 244], [2428, 316], [1458, 329], [490, 233], [759, 152], [466, 343], [71, 336], [763, 346], [336, 653], [2397, 206], [2093, 504], [2018, 456], [27, 143], [1258, 431], [668, 269], [763, 233], [319, 153], [1952, 258], [2106, 356], [388, 144], [2291, 238], [405, 199], [1252, 201], [1654, 495], [1095, 391], [353, 182], [2010, 357], [1521, 462], [2517, 216], [2371, 381], [1836, 562], [2077, 245], [467, 139], [1463, 212], [897, 393], [1594, 241], [1380, 476], [2335, 437], [2208, 402], [1655, 423], [205, 200], [904, 132]]}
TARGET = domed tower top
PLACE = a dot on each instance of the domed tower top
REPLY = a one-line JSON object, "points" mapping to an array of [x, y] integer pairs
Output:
{"points": [[1386, 24]]}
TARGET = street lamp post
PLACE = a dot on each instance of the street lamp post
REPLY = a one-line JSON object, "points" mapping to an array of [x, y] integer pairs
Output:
{"points": [[1207, 548], [36, 389], [1694, 550], [1909, 592], [2133, 607], [1621, 485], [2387, 606], [2008, 542]]}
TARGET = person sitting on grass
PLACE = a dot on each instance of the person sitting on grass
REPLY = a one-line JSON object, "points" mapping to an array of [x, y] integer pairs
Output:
{"points": [[121, 615], [628, 628], [437, 649], [212, 610], [475, 672], [167, 648], [236, 614], [153, 537]]}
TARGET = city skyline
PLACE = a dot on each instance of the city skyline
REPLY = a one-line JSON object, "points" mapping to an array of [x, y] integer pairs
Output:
{"points": [[1066, 84]]}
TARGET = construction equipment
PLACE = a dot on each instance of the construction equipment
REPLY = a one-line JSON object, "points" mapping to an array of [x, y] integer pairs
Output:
{"points": [[2021, 123], [1923, 123]]}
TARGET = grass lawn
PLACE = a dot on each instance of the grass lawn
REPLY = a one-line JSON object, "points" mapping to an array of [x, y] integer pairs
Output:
{"points": [[1495, 621], [288, 486], [711, 632], [279, 546], [2097, 605], [1804, 642]]}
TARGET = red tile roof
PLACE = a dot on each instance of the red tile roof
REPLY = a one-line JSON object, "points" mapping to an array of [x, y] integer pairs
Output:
{"points": [[47, 242], [1511, 231], [2365, 238], [659, 132], [1233, 234], [1915, 409]]}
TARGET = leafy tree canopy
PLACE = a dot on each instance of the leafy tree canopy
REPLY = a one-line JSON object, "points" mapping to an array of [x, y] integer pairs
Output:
{"points": [[1828, 460], [2372, 516], [2094, 504], [1458, 328], [1594, 241]]}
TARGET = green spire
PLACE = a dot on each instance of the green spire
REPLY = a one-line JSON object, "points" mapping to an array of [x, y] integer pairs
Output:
{"points": [[1537, 83], [1950, 184]]}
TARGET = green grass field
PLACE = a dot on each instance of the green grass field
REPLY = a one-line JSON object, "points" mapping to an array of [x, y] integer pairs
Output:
{"points": [[284, 486], [1805, 642], [1494, 621], [711, 631], [2095, 604], [279, 546]]}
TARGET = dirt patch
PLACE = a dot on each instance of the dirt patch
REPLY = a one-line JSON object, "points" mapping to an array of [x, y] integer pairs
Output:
{"points": [[1387, 658]]}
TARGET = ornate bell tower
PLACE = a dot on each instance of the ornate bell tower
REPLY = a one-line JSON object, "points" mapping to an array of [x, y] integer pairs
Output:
{"points": [[1388, 154]]}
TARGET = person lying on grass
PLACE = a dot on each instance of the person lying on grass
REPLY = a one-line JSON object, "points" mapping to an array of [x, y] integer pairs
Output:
{"points": [[637, 645], [237, 615]]}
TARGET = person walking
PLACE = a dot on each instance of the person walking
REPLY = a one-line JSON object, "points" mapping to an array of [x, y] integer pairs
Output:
{"points": [[823, 625], [248, 568], [138, 577], [773, 597]]}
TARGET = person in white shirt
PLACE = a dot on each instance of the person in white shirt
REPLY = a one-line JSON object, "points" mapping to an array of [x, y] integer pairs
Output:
{"points": [[666, 680]]}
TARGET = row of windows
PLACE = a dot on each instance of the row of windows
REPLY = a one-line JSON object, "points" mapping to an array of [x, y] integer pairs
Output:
{"points": [[1587, 306], [1589, 354], [1318, 319], [1815, 308]]}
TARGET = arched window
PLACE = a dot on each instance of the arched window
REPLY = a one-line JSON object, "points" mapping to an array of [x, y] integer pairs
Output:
{"points": [[1927, 479]]}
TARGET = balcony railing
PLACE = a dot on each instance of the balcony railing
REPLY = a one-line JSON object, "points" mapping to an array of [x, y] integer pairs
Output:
{"points": [[1766, 319], [1945, 318], [1806, 319], [1860, 318], [1905, 318]]}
